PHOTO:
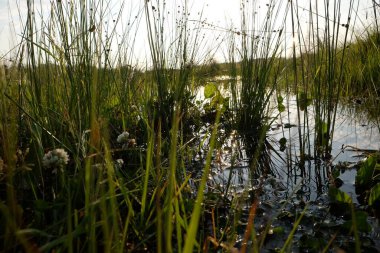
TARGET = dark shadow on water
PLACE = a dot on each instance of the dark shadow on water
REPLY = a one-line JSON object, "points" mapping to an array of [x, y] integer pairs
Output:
{"points": [[258, 154]]}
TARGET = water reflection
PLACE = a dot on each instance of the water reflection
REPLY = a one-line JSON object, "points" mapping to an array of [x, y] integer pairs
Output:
{"points": [[294, 178], [353, 132]]}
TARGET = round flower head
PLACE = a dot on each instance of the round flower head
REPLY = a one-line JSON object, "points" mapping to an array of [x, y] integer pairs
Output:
{"points": [[123, 137], [118, 164], [55, 158]]}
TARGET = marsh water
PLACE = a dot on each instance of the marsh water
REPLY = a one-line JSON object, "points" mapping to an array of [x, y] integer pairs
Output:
{"points": [[292, 186]]}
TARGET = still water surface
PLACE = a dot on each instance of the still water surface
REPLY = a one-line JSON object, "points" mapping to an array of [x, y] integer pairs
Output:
{"points": [[290, 186]]}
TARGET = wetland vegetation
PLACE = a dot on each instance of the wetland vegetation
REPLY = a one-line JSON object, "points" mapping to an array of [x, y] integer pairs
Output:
{"points": [[276, 149]]}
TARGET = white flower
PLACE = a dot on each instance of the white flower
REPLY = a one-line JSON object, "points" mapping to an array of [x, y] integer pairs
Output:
{"points": [[123, 137], [55, 158], [120, 162]]}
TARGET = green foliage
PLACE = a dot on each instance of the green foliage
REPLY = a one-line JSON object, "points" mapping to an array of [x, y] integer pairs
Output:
{"points": [[322, 132], [279, 230], [362, 66], [280, 105], [303, 101], [339, 196], [361, 222], [210, 90], [290, 237], [312, 243], [367, 181], [374, 195], [215, 101], [67, 90], [366, 171]]}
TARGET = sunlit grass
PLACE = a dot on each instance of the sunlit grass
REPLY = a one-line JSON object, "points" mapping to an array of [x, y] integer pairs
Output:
{"points": [[97, 150]]}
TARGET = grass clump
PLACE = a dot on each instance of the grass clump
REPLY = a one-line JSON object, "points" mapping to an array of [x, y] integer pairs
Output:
{"points": [[101, 154], [259, 47]]}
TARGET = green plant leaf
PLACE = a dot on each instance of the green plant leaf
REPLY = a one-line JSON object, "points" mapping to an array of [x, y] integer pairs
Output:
{"points": [[278, 230], [325, 128], [377, 167], [33, 232], [335, 173], [210, 90], [364, 175], [374, 195], [290, 236], [216, 99], [226, 103], [281, 107], [303, 101], [337, 195], [280, 99], [362, 224]]}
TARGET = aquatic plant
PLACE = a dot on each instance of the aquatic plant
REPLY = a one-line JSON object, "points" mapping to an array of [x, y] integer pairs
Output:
{"points": [[178, 179], [318, 61], [260, 45]]}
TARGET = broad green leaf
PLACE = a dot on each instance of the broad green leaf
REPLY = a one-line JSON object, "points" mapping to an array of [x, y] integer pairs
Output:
{"points": [[337, 195], [364, 175], [375, 194], [371, 162], [210, 90]]}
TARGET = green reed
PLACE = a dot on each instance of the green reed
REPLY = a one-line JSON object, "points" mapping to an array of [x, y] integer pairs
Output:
{"points": [[78, 87], [260, 43], [319, 57], [64, 94]]}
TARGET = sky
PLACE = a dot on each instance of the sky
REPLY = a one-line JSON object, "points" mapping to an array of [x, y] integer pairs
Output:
{"points": [[218, 17]]}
